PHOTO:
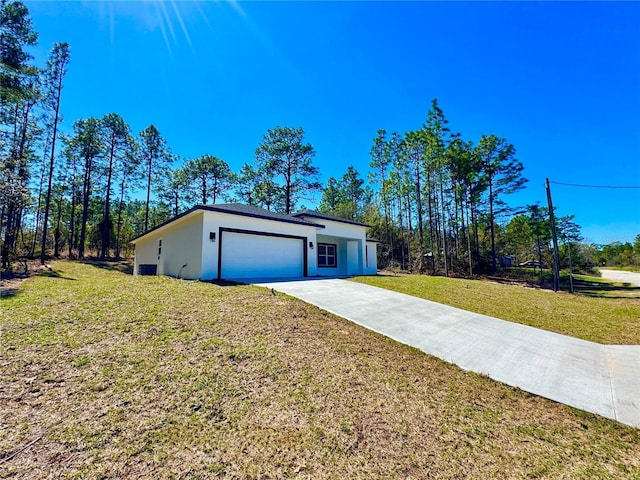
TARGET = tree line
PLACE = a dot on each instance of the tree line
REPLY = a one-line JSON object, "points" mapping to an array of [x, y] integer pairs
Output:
{"points": [[442, 198], [437, 202], [440, 205], [66, 194]]}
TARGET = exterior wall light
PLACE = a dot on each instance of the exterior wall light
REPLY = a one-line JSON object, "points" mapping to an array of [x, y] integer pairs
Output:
{"points": [[212, 236], [311, 245]]}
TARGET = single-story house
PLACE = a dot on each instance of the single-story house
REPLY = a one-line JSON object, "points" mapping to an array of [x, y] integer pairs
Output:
{"points": [[236, 241]]}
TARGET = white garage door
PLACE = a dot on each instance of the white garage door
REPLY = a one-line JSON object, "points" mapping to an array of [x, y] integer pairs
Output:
{"points": [[260, 256]]}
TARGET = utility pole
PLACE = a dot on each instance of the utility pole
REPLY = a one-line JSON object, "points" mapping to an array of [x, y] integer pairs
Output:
{"points": [[556, 262]]}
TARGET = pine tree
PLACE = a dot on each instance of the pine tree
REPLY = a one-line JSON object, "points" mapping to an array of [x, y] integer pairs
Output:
{"points": [[209, 177], [283, 154], [503, 176], [116, 138], [156, 158], [56, 71]]}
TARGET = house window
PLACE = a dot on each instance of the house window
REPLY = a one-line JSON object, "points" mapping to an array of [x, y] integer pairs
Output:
{"points": [[327, 255]]}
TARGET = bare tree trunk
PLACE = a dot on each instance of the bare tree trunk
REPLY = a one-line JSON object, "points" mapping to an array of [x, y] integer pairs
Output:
{"points": [[8, 223], [468, 235], [419, 215], [409, 232], [15, 206], [474, 220], [106, 218], [32, 250], [465, 234], [56, 235], [402, 241], [146, 212], [432, 243], [72, 218], [204, 192], [444, 229], [47, 202], [86, 196], [491, 227], [388, 233], [36, 228], [287, 190]]}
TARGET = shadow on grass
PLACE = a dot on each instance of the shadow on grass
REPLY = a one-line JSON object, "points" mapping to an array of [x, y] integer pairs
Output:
{"points": [[389, 275], [9, 292], [123, 266], [54, 274], [602, 289], [225, 283], [530, 283]]}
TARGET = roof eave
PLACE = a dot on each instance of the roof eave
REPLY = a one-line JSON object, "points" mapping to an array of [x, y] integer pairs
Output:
{"points": [[212, 208], [304, 223], [332, 219]]}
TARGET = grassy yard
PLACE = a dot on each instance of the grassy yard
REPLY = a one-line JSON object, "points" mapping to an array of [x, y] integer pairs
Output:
{"points": [[106, 375], [603, 312]]}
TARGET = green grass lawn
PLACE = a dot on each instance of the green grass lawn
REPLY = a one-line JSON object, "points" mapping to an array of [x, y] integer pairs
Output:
{"points": [[603, 313], [106, 375], [584, 284]]}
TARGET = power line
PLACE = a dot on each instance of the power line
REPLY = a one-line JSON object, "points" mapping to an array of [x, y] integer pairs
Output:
{"points": [[593, 186]]}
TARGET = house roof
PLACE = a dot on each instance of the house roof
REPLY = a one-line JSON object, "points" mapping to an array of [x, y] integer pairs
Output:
{"points": [[257, 212], [237, 209], [324, 216]]}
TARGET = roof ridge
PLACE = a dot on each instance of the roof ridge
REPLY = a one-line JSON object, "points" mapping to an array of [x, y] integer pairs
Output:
{"points": [[240, 209], [326, 216]]}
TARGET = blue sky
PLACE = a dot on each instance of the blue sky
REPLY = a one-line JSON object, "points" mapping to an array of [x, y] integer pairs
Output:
{"points": [[560, 81]]}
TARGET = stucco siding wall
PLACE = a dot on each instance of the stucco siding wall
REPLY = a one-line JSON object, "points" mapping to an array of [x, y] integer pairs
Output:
{"points": [[145, 253], [341, 245], [347, 233], [371, 263], [354, 257], [213, 221], [339, 229], [181, 245]]}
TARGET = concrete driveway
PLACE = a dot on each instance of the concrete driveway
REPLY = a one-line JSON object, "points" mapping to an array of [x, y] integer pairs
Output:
{"points": [[621, 276], [602, 379]]}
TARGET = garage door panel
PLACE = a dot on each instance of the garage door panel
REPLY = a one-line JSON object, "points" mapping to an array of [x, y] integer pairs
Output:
{"points": [[253, 255]]}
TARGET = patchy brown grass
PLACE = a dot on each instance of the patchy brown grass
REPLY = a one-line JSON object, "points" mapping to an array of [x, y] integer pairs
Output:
{"points": [[105, 375]]}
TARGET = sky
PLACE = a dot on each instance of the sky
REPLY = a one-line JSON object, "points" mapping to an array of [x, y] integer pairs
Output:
{"points": [[559, 81]]}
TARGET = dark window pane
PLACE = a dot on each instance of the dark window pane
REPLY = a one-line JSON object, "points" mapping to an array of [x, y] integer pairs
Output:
{"points": [[326, 255]]}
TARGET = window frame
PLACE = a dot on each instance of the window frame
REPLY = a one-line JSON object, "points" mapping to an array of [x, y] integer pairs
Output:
{"points": [[326, 255]]}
